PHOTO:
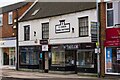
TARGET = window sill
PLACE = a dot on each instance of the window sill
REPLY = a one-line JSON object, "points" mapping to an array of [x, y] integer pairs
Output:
{"points": [[84, 36]]}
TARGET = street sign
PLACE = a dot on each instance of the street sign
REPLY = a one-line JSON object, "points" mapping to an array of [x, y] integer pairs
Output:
{"points": [[97, 50]]}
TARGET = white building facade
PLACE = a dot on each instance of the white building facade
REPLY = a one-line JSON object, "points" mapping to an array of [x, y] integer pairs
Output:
{"points": [[112, 42], [59, 43]]}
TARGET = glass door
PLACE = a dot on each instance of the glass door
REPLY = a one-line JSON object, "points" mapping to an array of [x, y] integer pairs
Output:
{"points": [[46, 61], [12, 57], [70, 60]]}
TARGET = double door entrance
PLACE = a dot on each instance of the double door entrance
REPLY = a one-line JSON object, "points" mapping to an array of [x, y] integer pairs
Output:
{"points": [[9, 56]]}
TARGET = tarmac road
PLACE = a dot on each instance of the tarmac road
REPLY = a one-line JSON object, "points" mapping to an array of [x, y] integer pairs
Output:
{"points": [[5, 78]]}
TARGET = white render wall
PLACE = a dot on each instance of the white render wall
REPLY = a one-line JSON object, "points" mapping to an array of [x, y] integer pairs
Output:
{"points": [[116, 12], [59, 38]]}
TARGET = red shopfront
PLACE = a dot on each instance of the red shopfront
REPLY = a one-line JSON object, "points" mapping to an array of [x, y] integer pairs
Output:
{"points": [[112, 51]]}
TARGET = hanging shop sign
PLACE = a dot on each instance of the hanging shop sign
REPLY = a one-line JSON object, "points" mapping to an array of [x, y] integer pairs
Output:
{"points": [[109, 59], [94, 31], [112, 33], [44, 47], [43, 41], [62, 27]]}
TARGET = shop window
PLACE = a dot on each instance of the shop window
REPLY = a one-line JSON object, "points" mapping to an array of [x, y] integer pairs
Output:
{"points": [[29, 56], [85, 59], [10, 17], [58, 56], [45, 30], [112, 60], [83, 26], [23, 58], [1, 19], [110, 14], [26, 32]]}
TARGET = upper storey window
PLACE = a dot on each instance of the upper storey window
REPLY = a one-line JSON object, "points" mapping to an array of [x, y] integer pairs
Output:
{"points": [[10, 16], [83, 26], [1, 19], [110, 21]]}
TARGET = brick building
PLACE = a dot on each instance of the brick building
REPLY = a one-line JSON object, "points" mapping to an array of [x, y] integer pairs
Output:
{"points": [[109, 37], [8, 14]]}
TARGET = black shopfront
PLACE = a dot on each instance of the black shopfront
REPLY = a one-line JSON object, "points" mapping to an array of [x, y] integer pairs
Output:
{"points": [[32, 57], [73, 58], [29, 57], [87, 58], [63, 57]]}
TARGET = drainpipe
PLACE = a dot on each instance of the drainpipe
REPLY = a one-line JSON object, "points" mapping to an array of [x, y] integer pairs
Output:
{"points": [[97, 44], [17, 46]]}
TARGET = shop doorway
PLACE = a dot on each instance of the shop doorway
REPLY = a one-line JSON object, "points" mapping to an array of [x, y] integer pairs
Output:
{"points": [[9, 57], [70, 60], [12, 57], [46, 62], [5, 58]]}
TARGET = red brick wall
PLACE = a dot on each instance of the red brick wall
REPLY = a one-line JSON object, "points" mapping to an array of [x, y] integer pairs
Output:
{"points": [[7, 29]]}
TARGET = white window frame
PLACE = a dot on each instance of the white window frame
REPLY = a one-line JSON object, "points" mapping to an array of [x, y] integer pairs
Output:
{"points": [[85, 35], [44, 31], [10, 16], [1, 16], [106, 15]]}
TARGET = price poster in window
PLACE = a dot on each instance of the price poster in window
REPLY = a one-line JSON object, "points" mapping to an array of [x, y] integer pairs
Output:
{"points": [[109, 59], [40, 55]]}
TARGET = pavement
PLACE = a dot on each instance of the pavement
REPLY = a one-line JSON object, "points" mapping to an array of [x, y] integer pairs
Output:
{"points": [[26, 74], [10, 74]]}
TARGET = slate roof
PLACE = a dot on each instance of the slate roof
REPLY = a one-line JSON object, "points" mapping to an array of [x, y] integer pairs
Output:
{"points": [[49, 9], [12, 7]]}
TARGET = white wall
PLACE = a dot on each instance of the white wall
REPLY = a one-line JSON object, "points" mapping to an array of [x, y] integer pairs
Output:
{"points": [[70, 37], [115, 13], [59, 38], [34, 26]]}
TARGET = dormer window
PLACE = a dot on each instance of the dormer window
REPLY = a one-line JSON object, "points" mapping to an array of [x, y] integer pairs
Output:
{"points": [[35, 12]]}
